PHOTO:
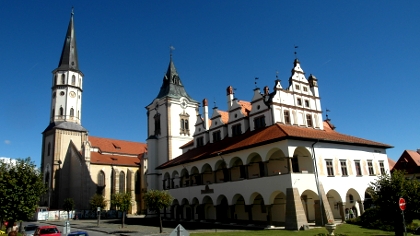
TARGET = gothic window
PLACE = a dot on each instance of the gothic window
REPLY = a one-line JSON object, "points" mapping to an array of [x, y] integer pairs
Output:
{"points": [[63, 79], [343, 164], [49, 149], [157, 123], [61, 111], [236, 130], [309, 120], [382, 167], [370, 167], [73, 80], [101, 183], [287, 117], [217, 136], [122, 182], [358, 169], [71, 112], [259, 122], [330, 168]]}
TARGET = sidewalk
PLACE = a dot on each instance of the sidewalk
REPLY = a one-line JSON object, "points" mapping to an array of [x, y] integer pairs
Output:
{"points": [[136, 226]]}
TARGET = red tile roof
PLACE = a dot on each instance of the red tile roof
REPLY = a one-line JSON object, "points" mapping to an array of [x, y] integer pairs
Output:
{"points": [[116, 152], [118, 146], [273, 133], [391, 163], [409, 162], [225, 116], [246, 107]]}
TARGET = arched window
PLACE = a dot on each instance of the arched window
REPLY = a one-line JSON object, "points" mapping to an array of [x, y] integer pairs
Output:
{"points": [[61, 111], [63, 79], [182, 124], [73, 80], [101, 183], [186, 124], [122, 182], [71, 112]]}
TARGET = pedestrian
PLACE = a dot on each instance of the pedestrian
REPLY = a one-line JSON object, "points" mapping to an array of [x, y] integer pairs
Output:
{"points": [[351, 213]]}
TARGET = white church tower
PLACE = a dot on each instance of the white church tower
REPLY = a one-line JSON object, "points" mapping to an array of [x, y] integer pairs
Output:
{"points": [[171, 118], [64, 135]]}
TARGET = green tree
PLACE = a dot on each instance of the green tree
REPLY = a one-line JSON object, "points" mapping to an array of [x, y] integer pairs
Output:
{"points": [[21, 186], [387, 191], [68, 206], [156, 200], [122, 201], [96, 201]]}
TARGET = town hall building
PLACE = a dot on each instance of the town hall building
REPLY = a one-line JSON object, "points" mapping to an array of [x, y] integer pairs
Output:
{"points": [[271, 161]]}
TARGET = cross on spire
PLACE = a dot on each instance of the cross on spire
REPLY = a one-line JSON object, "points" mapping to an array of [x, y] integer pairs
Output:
{"points": [[171, 49]]}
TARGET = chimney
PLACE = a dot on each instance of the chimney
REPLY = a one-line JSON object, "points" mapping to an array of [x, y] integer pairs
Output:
{"points": [[206, 114], [229, 92]]}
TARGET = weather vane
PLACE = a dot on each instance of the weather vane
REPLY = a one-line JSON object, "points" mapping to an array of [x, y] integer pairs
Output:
{"points": [[326, 113], [296, 51], [255, 81], [277, 74]]}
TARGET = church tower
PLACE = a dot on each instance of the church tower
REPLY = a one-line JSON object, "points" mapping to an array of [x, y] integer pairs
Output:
{"points": [[64, 136], [171, 118]]}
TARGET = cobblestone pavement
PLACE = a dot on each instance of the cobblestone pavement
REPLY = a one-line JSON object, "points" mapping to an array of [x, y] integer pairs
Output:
{"points": [[147, 226]]}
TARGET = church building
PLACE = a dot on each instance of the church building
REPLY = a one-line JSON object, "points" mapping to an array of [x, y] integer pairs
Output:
{"points": [[271, 161]]}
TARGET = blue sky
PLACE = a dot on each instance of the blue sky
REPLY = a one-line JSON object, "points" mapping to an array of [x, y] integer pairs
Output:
{"points": [[365, 55]]}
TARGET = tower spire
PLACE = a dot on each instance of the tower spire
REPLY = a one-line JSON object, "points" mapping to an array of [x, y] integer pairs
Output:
{"points": [[68, 59]]}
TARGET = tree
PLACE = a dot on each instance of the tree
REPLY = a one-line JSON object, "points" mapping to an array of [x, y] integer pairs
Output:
{"points": [[21, 186], [122, 202], [96, 201], [68, 206], [387, 191], [156, 200]]}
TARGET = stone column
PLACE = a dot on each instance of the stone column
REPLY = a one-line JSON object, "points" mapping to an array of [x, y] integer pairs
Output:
{"points": [[289, 165], [232, 213], [249, 210], [269, 215], [361, 207], [342, 211]]}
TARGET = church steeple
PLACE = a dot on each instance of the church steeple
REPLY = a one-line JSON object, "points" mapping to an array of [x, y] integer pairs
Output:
{"points": [[68, 59], [172, 85]]}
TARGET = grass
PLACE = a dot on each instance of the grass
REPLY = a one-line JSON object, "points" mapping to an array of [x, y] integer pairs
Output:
{"points": [[343, 229]]}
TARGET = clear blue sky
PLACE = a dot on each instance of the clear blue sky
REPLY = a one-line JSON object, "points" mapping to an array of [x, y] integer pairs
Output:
{"points": [[365, 55]]}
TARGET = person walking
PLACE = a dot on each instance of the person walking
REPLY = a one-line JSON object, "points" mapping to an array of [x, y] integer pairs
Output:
{"points": [[351, 213]]}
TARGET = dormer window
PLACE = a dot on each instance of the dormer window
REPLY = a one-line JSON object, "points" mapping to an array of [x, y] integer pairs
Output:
{"points": [[259, 122], [200, 141], [217, 136], [236, 130]]}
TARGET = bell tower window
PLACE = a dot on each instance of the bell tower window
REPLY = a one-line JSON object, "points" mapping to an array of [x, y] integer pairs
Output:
{"points": [[61, 111], [259, 122], [157, 123], [184, 124], [73, 80], [63, 79], [71, 112]]}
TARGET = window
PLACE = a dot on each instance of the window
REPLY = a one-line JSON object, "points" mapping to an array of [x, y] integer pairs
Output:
{"points": [[137, 184], [71, 112], [286, 117], [297, 87], [305, 88], [370, 167], [306, 103], [200, 142], [184, 124], [236, 130], [122, 182], [382, 167], [309, 120], [343, 164], [63, 79], [157, 123], [61, 111], [73, 80], [216, 136], [358, 169], [101, 183], [299, 102], [259, 122], [330, 168]]}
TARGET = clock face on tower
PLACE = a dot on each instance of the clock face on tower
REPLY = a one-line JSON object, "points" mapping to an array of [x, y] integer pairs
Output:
{"points": [[183, 103], [72, 94]]}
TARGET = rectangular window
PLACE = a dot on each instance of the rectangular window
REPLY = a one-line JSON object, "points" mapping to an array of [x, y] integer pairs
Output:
{"points": [[306, 103], [259, 122], [370, 167], [343, 164], [309, 120], [330, 168], [236, 130], [297, 87], [200, 142], [358, 168], [299, 102], [216, 136], [287, 117], [382, 167], [305, 88]]}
